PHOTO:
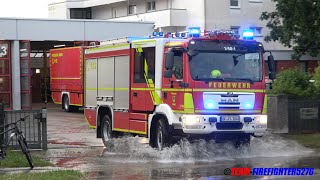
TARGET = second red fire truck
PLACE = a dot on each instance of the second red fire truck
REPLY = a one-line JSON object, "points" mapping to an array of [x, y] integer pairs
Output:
{"points": [[193, 85]]}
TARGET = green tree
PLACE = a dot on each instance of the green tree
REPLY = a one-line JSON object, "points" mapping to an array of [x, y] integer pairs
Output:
{"points": [[295, 24]]}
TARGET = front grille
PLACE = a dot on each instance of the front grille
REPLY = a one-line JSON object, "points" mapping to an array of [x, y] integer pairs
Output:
{"points": [[229, 125]]}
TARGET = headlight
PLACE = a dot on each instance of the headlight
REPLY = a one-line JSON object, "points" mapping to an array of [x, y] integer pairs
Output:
{"points": [[262, 119], [190, 119]]}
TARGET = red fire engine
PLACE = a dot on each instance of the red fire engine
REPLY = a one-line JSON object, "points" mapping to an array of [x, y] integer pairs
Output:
{"points": [[196, 84], [66, 77]]}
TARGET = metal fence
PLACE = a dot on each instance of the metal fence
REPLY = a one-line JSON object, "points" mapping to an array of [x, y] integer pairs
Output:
{"points": [[303, 115], [34, 127]]}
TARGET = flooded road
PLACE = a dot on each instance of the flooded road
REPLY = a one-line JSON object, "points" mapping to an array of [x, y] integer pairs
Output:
{"points": [[132, 158], [74, 146]]}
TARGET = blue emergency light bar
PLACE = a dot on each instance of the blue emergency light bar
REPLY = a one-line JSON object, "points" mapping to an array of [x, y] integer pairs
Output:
{"points": [[194, 32], [248, 34]]}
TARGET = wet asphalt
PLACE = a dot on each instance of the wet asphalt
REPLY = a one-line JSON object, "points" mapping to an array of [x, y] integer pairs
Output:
{"points": [[72, 145]]}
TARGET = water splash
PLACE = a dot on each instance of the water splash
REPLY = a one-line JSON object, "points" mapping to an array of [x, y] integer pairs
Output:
{"points": [[270, 145]]}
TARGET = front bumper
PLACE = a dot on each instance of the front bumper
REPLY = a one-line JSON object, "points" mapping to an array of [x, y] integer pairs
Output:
{"points": [[206, 124]]}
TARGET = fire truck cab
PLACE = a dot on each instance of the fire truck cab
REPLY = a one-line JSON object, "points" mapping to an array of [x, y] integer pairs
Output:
{"points": [[192, 84]]}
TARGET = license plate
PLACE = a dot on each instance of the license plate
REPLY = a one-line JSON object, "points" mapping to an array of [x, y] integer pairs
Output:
{"points": [[229, 118]]}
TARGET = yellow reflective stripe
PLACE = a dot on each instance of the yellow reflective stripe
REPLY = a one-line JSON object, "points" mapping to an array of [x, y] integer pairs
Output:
{"points": [[174, 44], [143, 41], [93, 127], [137, 132], [188, 103], [229, 90], [172, 89], [151, 88], [60, 78], [121, 130], [76, 104], [107, 89], [145, 89], [130, 131], [107, 47], [265, 104]]}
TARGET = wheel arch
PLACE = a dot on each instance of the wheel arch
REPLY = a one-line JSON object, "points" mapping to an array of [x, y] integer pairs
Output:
{"points": [[101, 112]]}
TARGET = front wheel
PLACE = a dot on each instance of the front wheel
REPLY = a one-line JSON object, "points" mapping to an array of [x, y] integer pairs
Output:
{"points": [[243, 140], [162, 135], [24, 147]]}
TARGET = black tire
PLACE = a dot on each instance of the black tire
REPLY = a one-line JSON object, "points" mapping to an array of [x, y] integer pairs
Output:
{"points": [[106, 130], [24, 147], [65, 103], [162, 136]]}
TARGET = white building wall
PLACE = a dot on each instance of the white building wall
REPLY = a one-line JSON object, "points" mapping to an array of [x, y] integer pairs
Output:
{"points": [[195, 11], [207, 14], [58, 11], [101, 12], [219, 15]]}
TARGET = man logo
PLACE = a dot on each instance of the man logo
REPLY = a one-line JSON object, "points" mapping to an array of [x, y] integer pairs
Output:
{"points": [[230, 100]]}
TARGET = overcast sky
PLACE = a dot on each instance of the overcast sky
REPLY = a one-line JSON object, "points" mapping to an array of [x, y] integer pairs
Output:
{"points": [[24, 8]]}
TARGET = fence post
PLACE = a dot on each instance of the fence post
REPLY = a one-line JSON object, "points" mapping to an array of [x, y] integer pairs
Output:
{"points": [[1, 122], [44, 128]]}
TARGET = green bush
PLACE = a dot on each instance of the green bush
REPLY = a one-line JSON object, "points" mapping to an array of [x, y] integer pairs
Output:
{"points": [[316, 77], [294, 83]]}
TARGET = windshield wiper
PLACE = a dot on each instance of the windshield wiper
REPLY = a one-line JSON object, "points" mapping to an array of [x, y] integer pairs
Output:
{"points": [[240, 79], [209, 79]]}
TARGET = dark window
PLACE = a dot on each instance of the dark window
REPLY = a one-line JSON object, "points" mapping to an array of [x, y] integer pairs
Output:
{"points": [[148, 55], [132, 9], [80, 13], [178, 65], [235, 29], [151, 6], [234, 3]]}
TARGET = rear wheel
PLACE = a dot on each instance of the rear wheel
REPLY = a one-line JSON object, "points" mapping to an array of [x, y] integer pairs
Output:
{"points": [[24, 147], [106, 130], [162, 137], [66, 105]]}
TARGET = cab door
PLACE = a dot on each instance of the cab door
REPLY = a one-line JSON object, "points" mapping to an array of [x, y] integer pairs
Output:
{"points": [[143, 77], [173, 87]]}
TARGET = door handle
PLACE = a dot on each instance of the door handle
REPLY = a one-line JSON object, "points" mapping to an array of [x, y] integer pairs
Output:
{"points": [[165, 95], [135, 94]]}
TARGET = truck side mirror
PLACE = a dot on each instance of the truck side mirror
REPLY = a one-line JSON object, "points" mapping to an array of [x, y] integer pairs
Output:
{"points": [[272, 68], [168, 73], [169, 60]]}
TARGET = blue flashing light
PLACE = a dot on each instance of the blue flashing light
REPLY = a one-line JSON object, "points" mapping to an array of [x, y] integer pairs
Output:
{"points": [[209, 104], [183, 35], [155, 33], [160, 33], [248, 106], [248, 34], [194, 31]]}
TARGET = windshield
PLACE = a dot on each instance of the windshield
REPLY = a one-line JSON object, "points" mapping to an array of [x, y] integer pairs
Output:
{"points": [[226, 66]]}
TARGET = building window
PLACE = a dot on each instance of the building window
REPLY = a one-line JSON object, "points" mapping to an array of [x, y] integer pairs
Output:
{"points": [[80, 13], [257, 31], [132, 9], [255, 1], [235, 29], [151, 6], [234, 3]]}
